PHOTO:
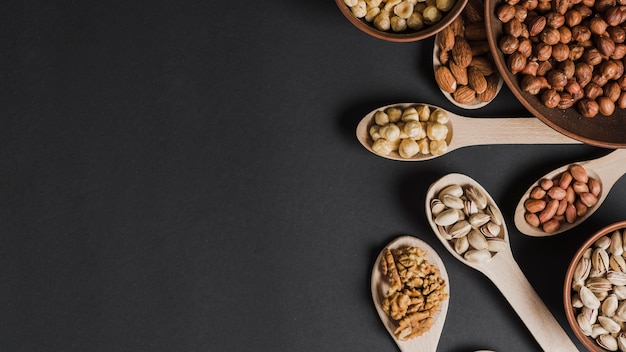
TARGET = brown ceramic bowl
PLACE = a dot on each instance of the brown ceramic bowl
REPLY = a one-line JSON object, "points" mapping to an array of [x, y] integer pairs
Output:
{"points": [[601, 131], [408, 35], [570, 312]]}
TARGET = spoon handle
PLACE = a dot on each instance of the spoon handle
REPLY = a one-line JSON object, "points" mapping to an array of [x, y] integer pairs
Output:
{"points": [[610, 167], [524, 130], [510, 280]]}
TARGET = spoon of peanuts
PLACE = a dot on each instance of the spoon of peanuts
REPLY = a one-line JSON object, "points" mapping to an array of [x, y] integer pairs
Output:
{"points": [[419, 132], [565, 197], [426, 325], [470, 225]]}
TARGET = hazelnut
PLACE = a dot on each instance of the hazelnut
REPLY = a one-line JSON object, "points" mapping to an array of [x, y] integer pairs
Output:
{"points": [[599, 80], [588, 108], [617, 34], [597, 25], [550, 36], [550, 98], [619, 52], [560, 6], [573, 17], [605, 45], [568, 67], [544, 68], [512, 2], [525, 47], [621, 102], [508, 44], [585, 11], [505, 13], [533, 84], [613, 16], [622, 82], [576, 52], [572, 87], [530, 69], [565, 34], [560, 52], [556, 79], [588, 3], [514, 28], [520, 13], [555, 20], [592, 91], [543, 51], [583, 73], [516, 62], [530, 4], [606, 106], [603, 5], [612, 90], [581, 33], [544, 6], [567, 101], [592, 57], [608, 69]]}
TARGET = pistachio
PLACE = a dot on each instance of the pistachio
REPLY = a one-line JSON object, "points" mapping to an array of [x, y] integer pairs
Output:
{"points": [[584, 324], [477, 240], [617, 278], [607, 342], [447, 217], [451, 201], [581, 272], [609, 305], [479, 219], [477, 256], [588, 298], [461, 245], [460, 229], [476, 196]]}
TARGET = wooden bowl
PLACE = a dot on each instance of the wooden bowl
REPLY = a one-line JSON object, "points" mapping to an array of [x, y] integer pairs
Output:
{"points": [[601, 131], [589, 343], [408, 35]]}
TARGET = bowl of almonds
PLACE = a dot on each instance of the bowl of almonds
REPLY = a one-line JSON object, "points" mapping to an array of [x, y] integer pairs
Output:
{"points": [[564, 61], [594, 292], [401, 20]]}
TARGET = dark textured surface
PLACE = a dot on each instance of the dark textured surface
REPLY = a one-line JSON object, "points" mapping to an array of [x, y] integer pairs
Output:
{"points": [[184, 176]]}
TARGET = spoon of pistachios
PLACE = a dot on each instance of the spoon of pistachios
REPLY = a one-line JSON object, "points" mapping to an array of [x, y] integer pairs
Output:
{"points": [[466, 219], [411, 327], [419, 132], [565, 197]]}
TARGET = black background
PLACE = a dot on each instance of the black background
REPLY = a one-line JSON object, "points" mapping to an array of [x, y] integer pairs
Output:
{"points": [[184, 176]]}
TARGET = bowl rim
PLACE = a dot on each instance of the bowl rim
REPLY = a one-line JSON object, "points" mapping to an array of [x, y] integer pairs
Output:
{"points": [[404, 37], [567, 287]]}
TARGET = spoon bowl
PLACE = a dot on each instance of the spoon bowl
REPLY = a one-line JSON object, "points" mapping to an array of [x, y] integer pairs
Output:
{"points": [[465, 131], [607, 170], [504, 272], [429, 340], [476, 104]]}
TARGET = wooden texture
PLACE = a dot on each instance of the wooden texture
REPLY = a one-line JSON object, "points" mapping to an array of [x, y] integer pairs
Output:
{"points": [[504, 272], [607, 169], [428, 341], [465, 131]]}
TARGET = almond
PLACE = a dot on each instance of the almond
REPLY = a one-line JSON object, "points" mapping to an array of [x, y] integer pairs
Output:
{"points": [[464, 95], [536, 25], [473, 11], [445, 39], [461, 52], [484, 65], [491, 91], [475, 31], [445, 79], [476, 80], [460, 73]]}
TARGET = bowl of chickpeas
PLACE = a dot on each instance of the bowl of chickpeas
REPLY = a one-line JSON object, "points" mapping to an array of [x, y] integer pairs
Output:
{"points": [[564, 61], [401, 20]]}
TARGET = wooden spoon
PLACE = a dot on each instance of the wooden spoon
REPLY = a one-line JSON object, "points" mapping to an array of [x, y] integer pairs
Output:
{"points": [[476, 104], [504, 272], [429, 340], [607, 169], [465, 131]]}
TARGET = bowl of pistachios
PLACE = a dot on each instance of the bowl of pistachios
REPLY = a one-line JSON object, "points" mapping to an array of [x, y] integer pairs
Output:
{"points": [[594, 292], [401, 20]]}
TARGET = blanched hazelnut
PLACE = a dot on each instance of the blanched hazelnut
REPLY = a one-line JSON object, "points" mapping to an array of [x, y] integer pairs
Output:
{"points": [[383, 147], [403, 9], [436, 131], [588, 108], [374, 132], [398, 24], [438, 147], [424, 112], [431, 15], [395, 114], [381, 118], [382, 21], [440, 116], [415, 21], [408, 148], [390, 132], [410, 114]]}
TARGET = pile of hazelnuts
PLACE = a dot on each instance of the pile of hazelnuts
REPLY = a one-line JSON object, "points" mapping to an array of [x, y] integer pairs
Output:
{"points": [[569, 53]]}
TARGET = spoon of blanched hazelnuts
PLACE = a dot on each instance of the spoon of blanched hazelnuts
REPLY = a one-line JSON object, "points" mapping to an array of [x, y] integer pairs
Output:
{"points": [[568, 53]]}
